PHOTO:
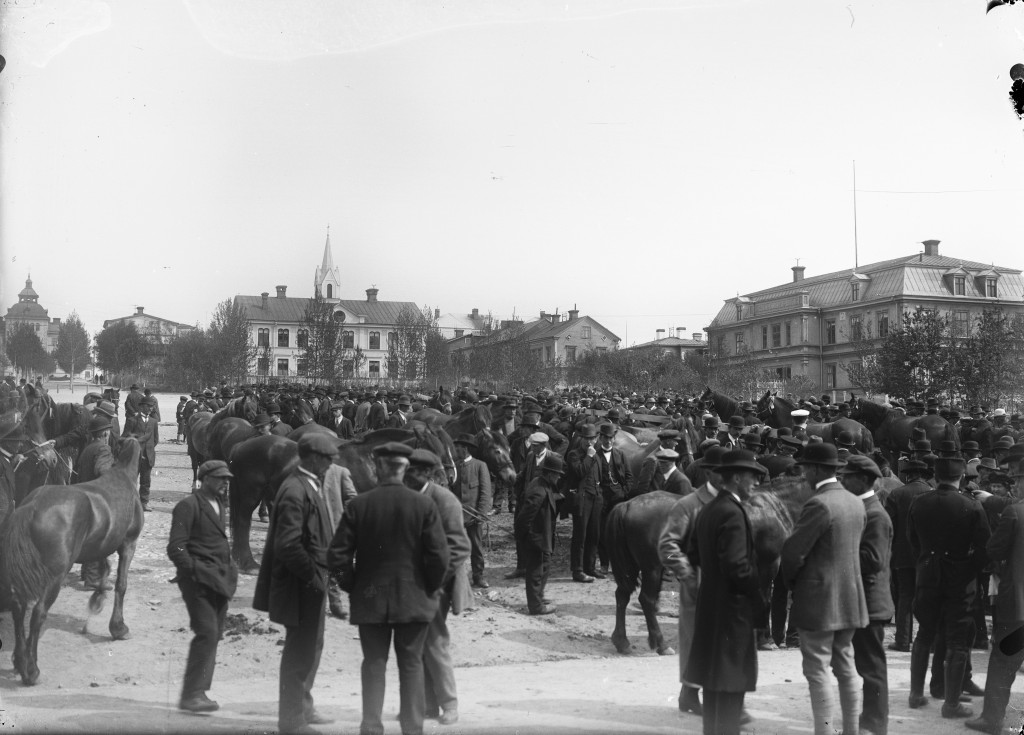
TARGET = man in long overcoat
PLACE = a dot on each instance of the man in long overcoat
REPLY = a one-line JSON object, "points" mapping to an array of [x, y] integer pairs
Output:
{"points": [[145, 428], [535, 526], [730, 605]]}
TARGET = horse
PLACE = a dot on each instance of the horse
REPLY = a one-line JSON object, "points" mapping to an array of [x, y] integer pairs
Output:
{"points": [[58, 527], [440, 400], [42, 464], [492, 446], [777, 412], [196, 440], [243, 407], [894, 431], [295, 410], [723, 405], [634, 528]]}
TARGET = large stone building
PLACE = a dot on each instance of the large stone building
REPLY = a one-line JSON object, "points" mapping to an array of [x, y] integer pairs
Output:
{"points": [[156, 330], [810, 326], [277, 326], [677, 346], [29, 311]]}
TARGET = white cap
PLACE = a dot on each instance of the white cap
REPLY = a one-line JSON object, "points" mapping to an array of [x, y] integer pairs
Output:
{"points": [[999, 412], [800, 413], [539, 437]]}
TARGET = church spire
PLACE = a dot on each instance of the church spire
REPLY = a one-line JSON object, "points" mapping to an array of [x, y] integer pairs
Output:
{"points": [[327, 279], [328, 264]]}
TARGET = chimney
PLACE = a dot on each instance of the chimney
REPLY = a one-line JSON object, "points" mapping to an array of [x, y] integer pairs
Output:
{"points": [[698, 336], [798, 273], [931, 247], [56, 321], [475, 314], [437, 313], [543, 314], [679, 332], [139, 310], [660, 333], [281, 291], [574, 314], [371, 295], [265, 295]]}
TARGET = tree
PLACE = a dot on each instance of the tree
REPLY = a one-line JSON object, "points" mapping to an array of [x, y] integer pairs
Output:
{"points": [[989, 361], [230, 341], [407, 346], [192, 360], [120, 349], [26, 351], [324, 345], [72, 352]]}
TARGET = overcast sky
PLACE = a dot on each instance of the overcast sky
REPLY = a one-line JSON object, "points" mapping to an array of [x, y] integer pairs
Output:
{"points": [[641, 160]]}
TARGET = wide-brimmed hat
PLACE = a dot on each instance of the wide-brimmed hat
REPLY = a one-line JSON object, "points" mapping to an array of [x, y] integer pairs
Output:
{"points": [[588, 431], [740, 460], [970, 446], [262, 420], [552, 463], [466, 439], [821, 454], [857, 464]]}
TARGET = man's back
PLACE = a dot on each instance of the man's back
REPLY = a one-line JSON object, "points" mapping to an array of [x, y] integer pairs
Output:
{"points": [[1006, 547], [947, 523], [897, 505]]}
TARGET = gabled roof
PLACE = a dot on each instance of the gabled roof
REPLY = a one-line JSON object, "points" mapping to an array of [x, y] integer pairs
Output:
{"points": [[672, 342], [144, 315], [465, 322], [292, 309], [908, 276]]}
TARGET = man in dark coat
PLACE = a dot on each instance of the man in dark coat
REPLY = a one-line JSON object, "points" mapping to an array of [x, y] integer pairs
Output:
{"points": [[277, 426], [133, 402], [338, 423], [144, 427], [207, 577], [858, 477], [916, 475], [948, 533], [94, 460], [292, 582], [723, 655], [616, 478], [392, 586], [535, 525], [473, 489], [586, 503], [378, 416]]}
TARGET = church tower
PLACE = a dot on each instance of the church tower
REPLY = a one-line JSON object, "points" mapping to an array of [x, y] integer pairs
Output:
{"points": [[327, 279]]}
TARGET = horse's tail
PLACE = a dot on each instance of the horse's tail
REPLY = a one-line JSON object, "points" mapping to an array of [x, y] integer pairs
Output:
{"points": [[624, 566], [22, 569]]}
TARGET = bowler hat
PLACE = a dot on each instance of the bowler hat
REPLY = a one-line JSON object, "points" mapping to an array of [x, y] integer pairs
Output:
{"points": [[106, 408], [214, 468], [552, 463], [988, 463], [317, 443], [613, 413], [261, 420], [845, 439], [857, 464], [588, 431], [922, 445], [948, 466], [710, 422], [822, 454], [970, 446], [607, 430], [752, 439], [712, 458], [1004, 442], [388, 449], [790, 441], [423, 458], [466, 439], [405, 401], [736, 422], [740, 460], [273, 408], [98, 424], [915, 465], [947, 448]]}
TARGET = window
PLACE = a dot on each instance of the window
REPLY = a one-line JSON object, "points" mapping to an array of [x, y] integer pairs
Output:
{"points": [[764, 338], [392, 343], [739, 341], [302, 338], [739, 312], [339, 316], [854, 292], [282, 366], [348, 367], [601, 349], [300, 366], [856, 328], [263, 366], [830, 331], [348, 339], [784, 373], [830, 375], [570, 354], [547, 353], [961, 320], [789, 333], [720, 344], [959, 285], [883, 324], [330, 291], [459, 333], [777, 335], [262, 337], [282, 337], [990, 287], [374, 340], [375, 368], [585, 332]]}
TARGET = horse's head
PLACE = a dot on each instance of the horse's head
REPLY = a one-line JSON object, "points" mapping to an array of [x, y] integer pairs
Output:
{"points": [[494, 450]]}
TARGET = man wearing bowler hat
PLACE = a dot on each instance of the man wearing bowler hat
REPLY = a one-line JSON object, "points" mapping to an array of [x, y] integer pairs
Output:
{"points": [[948, 533], [723, 652], [616, 479], [292, 583], [730, 439], [143, 427], [821, 565], [207, 577], [586, 503]]}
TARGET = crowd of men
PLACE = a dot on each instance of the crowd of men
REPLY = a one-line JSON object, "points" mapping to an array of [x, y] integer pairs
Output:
{"points": [[930, 536]]}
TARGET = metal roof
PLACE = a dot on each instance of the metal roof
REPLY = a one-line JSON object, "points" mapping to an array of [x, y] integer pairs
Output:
{"points": [[292, 309]]}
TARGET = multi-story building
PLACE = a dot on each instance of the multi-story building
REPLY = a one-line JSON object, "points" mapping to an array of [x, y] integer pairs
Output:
{"points": [[367, 326], [678, 346], [156, 330], [813, 327], [29, 311]]}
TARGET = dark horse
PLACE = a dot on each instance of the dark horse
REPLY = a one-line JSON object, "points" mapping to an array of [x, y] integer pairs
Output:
{"points": [[42, 465], [894, 431], [777, 412], [60, 526], [724, 406], [492, 446], [632, 535]]}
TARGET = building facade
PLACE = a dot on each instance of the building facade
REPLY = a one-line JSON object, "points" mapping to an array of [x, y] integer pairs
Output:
{"points": [[815, 327], [154, 329], [29, 311], [678, 346], [278, 331]]}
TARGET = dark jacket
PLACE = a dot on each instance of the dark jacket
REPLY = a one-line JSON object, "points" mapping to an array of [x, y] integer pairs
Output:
{"points": [[723, 656], [948, 533], [535, 521], [295, 555], [391, 555], [145, 430], [1006, 548], [875, 552], [94, 460], [897, 505], [616, 477], [198, 546], [378, 416]]}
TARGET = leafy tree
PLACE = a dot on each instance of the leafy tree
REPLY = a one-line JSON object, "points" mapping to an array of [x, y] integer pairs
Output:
{"points": [[990, 358], [229, 340], [407, 349], [120, 349], [72, 352], [26, 351], [191, 360], [435, 355], [324, 346]]}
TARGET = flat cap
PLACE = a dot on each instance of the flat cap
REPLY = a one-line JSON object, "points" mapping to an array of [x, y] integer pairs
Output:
{"points": [[389, 449], [424, 458], [468, 439], [539, 437], [668, 434], [857, 464], [317, 443], [214, 468], [668, 454]]}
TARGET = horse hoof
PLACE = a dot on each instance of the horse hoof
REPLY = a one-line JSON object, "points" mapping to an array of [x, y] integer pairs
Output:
{"points": [[31, 678], [120, 634], [624, 648], [666, 651]]}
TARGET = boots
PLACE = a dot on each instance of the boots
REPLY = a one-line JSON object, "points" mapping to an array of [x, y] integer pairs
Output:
{"points": [[918, 668], [689, 701], [956, 662]]}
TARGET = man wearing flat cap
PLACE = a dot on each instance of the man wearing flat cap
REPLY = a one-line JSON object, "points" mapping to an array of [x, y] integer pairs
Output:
{"points": [[473, 488], [292, 583], [535, 526], [948, 533], [392, 587], [337, 422], [207, 577], [144, 428], [649, 474], [821, 565], [400, 418], [858, 477]]}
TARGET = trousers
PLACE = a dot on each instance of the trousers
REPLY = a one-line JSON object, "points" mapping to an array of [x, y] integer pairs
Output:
{"points": [[722, 711], [300, 660], [476, 550], [145, 473], [1006, 657], [207, 611], [905, 580], [869, 657], [438, 671], [586, 531], [536, 563], [820, 648], [375, 641]]}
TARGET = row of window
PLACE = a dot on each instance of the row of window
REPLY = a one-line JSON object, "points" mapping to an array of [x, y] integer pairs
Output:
{"points": [[347, 368], [348, 338]]}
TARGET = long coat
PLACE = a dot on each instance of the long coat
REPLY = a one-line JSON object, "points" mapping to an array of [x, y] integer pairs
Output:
{"points": [[897, 505], [875, 551], [295, 555], [198, 546], [821, 562], [474, 488], [391, 555], [146, 431], [723, 656], [456, 582], [1006, 548], [535, 521]]}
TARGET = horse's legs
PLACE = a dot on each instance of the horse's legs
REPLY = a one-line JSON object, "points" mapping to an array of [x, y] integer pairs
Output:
{"points": [[18, 608], [619, 638], [241, 524], [118, 630], [650, 590], [30, 674]]}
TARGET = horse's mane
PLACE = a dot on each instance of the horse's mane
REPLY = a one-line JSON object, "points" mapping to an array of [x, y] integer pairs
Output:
{"points": [[724, 405]]}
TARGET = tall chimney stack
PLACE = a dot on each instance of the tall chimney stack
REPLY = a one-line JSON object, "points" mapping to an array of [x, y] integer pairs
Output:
{"points": [[798, 273], [265, 295], [139, 310], [698, 336], [574, 314], [475, 314], [281, 290], [679, 332], [371, 295], [931, 247], [660, 333]]}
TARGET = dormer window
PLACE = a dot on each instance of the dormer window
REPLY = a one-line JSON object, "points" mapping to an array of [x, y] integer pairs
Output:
{"points": [[855, 292], [739, 312], [990, 288], [959, 285]]}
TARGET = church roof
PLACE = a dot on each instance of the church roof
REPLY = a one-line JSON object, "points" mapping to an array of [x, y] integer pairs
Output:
{"points": [[27, 310], [28, 292], [291, 309]]}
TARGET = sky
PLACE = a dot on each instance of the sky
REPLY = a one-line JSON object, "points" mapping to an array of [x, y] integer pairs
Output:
{"points": [[641, 161]]}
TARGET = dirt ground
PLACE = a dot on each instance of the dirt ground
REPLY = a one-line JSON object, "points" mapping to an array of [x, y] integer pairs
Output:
{"points": [[502, 655]]}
